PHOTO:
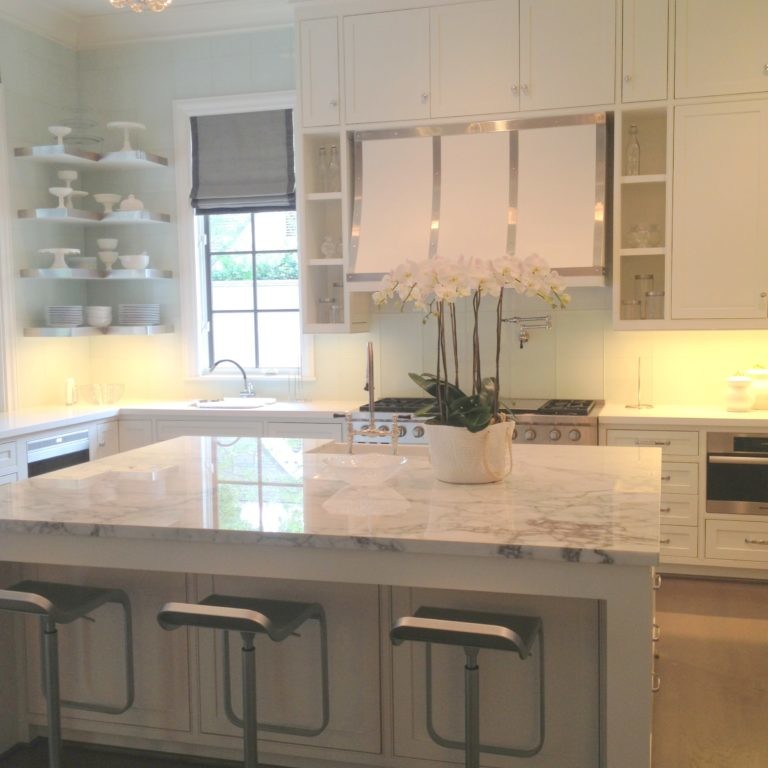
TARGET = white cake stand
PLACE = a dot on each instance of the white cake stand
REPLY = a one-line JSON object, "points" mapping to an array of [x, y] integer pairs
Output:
{"points": [[127, 128]]}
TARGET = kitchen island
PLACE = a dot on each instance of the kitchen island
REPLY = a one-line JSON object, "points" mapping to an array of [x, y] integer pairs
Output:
{"points": [[567, 523]]}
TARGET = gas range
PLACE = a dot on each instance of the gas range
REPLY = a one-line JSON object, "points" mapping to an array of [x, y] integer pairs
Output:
{"points": [[541, 421]]}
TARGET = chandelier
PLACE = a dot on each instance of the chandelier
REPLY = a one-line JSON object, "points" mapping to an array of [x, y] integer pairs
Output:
{"points": [[138, 6]]}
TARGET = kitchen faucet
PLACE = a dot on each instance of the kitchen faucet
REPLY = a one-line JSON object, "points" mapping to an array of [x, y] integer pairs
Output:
{"points": [[247, 386], [372, 430]]}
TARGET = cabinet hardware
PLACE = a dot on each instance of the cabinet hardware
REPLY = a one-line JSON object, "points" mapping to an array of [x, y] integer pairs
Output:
{"points": [[659, 443], [627, 78], [657, 581], [665, 541], [765, 69], [717, 459], [762, 542], [424, 98], [656, 633], [664, 510], [666, 478], [524, 88], [655, 682], [515, 89], [333, 103]]}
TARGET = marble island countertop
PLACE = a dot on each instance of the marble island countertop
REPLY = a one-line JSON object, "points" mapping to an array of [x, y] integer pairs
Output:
{"points": [[578, 504]]}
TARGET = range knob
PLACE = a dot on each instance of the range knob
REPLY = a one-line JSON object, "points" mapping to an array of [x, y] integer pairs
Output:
{"points": [[554, 435], [529, 434], [574, 435], [401, 431], [417, 431]]}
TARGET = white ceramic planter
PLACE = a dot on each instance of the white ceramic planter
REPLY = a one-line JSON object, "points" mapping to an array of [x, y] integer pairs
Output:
{"points": [[461, 456]]}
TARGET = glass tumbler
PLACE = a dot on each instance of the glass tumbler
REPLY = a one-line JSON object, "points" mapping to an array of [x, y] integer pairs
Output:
{"points": [[654, 305], [631, 309]]}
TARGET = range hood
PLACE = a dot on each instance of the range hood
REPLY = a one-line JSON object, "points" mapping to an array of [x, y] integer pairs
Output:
{"points": [[483, 189]]}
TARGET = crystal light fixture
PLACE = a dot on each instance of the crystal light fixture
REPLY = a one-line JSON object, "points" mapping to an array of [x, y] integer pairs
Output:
{"points": [[138, 6]]}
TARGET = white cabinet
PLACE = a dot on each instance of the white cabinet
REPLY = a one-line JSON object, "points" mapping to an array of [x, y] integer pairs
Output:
{"points": [[166, 429], [567, 53], [386, 66], [475, 58], [134, 433], [330, 430], [721, 47], [720, 227], [319, 47], [91, 655], [479, 58], [104, 439], [644, 50]]}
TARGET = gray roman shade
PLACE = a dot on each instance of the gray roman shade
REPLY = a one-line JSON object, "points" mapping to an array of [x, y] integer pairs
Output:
{"points": [[243, 162]]}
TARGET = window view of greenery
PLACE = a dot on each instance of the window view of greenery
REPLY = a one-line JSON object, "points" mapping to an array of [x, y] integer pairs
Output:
{"points": [[252, 273], [260, 485]]}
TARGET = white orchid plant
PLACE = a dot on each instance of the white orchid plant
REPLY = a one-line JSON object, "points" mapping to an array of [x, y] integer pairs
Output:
{"points": [[434, 286]]}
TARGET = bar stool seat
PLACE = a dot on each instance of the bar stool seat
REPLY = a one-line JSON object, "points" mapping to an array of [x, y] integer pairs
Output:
{"points": [[56, 603], [474, 631], [278, 619]]}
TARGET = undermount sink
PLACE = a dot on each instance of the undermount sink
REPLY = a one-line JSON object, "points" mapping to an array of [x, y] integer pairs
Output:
{"points": [[235, 402]]}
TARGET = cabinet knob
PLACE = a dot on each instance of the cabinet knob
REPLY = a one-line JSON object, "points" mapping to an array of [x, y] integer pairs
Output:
{"points": [[765, 69], [524, 87], [627, 78], [515, 89], [334, 103], [424, 98]]}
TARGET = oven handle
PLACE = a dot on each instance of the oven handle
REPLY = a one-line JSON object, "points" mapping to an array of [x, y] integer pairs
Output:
{"points": [[718, 459]]}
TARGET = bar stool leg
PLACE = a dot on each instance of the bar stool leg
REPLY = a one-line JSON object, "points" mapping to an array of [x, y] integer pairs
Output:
{"points": [[251, 759], [471, 709], [51, 672]]}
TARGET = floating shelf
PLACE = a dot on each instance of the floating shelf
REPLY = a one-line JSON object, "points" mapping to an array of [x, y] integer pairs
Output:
{"points": [[76, 216], [61, 153], [648, 178], [95, 274], [660, 251], [112, 330]]}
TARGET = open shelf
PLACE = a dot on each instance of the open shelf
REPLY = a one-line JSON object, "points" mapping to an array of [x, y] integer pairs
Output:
{"points": [[61, 153], [112, 330], [76, 216], [95, 274]]}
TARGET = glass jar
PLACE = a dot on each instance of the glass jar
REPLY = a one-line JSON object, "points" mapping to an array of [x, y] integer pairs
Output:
{"points": [[334, 170], [654, 305], [324, 310], [631, 309], [322, 170], [643, 284], [633, 152]]}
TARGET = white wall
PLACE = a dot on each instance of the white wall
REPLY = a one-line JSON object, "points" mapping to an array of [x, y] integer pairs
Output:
{"points": [[581, 357]]}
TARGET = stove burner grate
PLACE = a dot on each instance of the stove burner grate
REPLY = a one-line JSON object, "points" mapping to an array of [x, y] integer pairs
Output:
{"points": [[398, 404]]}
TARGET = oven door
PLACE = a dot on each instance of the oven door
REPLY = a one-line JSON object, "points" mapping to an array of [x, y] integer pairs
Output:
{"points": [[737, 474], [56, 452]]}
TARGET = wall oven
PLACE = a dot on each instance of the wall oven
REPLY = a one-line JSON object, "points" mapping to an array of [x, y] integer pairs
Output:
{"points": [[737, 473], [57, 451]]}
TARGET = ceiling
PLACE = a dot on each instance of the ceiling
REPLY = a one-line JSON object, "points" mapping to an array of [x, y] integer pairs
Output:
{"points": [[85, 8]]}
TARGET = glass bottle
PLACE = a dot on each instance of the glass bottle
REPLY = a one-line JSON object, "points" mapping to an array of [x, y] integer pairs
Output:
{"points": [[334, 171], [322, 170], [643, 284], [633, 152]]}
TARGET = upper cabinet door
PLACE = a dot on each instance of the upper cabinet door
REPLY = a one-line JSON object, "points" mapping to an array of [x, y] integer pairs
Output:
{"points": [[644, 59], [567, 53], [319, 72], [720, 227], [721, 47], [475, 58], [386, 65]]}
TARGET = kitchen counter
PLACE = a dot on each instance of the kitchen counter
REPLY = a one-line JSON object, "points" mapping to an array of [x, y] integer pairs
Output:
{"points": [[569, 522], [691, 416]]}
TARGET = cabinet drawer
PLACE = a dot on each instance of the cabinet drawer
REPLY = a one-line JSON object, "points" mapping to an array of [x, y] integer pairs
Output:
{"points": [[8, 479], [7, 456], [679, 477], [679, 509], [671, 442], [736, 540], [678, 541], [333, 431]]}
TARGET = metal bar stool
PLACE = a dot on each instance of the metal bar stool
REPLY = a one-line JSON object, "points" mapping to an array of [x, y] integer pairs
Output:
{"points": [[278, 619], [474, 631], [56, 603]]}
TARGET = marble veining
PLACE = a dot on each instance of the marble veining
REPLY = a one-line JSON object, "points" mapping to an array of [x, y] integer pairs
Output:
{"points": [[577, 504]]}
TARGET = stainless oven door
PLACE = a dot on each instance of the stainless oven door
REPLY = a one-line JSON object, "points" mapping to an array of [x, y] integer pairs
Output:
{"points": [[56, 452], [737, 474]]}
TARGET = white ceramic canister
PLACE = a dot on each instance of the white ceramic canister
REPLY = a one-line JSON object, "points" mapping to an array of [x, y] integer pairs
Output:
{"points": [[739, 396], [759, 376]]}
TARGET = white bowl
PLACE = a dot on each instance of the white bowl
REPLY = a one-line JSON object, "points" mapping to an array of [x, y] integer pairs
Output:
{"points": [[107, 243], [99, 394], [134, 261]]}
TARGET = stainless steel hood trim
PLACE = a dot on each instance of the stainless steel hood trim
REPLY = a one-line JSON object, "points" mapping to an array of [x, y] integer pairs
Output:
{"points": [[437, 166], [601, 153], [514, 168]]}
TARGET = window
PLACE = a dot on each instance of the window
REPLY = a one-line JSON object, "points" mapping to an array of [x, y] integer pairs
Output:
{"points": [[238, 230], [252, 278]]}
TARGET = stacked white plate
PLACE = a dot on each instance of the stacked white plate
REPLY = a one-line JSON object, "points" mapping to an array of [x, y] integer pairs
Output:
{"points": [[65, 316], [138, 314], [98, 317]]}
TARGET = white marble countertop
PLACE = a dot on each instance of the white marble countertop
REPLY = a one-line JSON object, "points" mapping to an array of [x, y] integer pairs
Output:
{"points": [[693, 417], [578, 504]]}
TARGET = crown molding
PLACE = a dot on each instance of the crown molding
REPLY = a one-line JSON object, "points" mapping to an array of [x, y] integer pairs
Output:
{"points": [[225, 16], [42, 18]]}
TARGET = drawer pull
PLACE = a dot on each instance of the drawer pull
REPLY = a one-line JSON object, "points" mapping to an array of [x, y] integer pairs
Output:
{"points": [[669, 541], [665, 510], [717, 459], [666, 478], [762, 542], [656, 633], [659, 443], [655, 682], [657, 581]]}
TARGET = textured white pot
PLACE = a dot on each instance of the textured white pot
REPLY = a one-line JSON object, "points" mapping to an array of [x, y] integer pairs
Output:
{"points": [[461, 456]]}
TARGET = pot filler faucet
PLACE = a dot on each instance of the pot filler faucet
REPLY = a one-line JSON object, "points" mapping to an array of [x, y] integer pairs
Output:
{"points": [[247, 390], [526, 323], [371, 430]]}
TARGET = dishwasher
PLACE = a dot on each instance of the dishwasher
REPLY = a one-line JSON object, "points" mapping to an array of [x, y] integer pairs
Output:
{"points": [[57, 451]]}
